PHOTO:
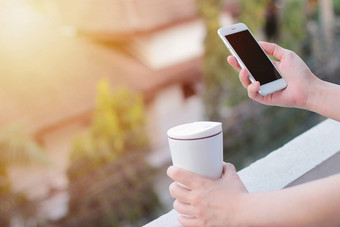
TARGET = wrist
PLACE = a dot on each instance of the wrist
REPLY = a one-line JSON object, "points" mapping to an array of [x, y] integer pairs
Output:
{"points": [[324, 99], [321, 98], [315, 94]]}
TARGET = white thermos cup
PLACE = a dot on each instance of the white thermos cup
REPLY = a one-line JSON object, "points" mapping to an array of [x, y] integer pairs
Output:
{"points": [[198, 147]]}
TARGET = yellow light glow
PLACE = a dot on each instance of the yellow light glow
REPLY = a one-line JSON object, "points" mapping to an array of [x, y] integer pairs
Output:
{"points": [[17, 19], [21, 26]]}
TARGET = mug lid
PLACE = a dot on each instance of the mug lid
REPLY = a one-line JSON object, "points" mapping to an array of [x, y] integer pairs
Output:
{"points": [[195, 130]]}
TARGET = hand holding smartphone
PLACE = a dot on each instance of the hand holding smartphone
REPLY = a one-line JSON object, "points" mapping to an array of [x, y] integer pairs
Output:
{"points": [[249, 54]]}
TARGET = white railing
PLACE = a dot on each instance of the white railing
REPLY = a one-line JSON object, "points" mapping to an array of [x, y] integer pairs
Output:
{"points": [[312, 155]]}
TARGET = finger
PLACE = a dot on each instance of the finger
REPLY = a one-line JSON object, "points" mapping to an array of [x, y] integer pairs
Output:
{"points": [[273, 49], [244, 78], [253, 92], [189, 221], [183, 208], [186, 177], [179, 192], [252, 89], [229, 168], [234, 63]]}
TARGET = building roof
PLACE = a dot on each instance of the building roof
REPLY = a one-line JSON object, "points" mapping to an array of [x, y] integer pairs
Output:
{"points": [[55, 79], [124, 16]]}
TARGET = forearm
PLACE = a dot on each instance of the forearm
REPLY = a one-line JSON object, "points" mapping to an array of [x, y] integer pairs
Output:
{"points": [[324, 98], [312, 204]]}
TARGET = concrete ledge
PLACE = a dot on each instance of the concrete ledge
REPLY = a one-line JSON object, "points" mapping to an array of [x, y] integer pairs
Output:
{"points": [[296, 158], [312, 155]]}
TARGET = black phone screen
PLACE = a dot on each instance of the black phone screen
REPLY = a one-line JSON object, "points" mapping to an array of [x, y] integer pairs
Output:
{"points": [[253, 57]]}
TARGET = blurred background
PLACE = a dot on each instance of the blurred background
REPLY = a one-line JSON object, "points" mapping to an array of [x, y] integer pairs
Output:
{"points": [[88, 89]]}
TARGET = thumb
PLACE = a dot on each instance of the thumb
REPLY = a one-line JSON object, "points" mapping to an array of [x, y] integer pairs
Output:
{"points": [[228, 168]]}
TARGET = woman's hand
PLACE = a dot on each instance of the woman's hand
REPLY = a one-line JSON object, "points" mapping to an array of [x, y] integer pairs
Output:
{"points": [[299, 78], [210, 202]]}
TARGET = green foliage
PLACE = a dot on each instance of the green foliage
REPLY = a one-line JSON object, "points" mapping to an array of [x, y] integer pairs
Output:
{"points": [[119, 116], [220, 80], [293, 25], [109, 179], [336, 5], [117, 125], [252, 14]]}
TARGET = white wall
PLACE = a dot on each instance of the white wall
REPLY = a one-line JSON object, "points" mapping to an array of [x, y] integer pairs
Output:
{"points": [[168, 109], [170, 46]]}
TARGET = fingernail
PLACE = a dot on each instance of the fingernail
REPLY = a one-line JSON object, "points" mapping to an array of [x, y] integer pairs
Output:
{"points": [[170, 170]]}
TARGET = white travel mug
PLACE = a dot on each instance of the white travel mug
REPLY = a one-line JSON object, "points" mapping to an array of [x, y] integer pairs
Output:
{"points": [[198, 147]]}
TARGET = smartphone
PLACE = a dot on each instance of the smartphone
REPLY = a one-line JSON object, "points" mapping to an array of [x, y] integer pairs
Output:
{"points": [[250, 55]]}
